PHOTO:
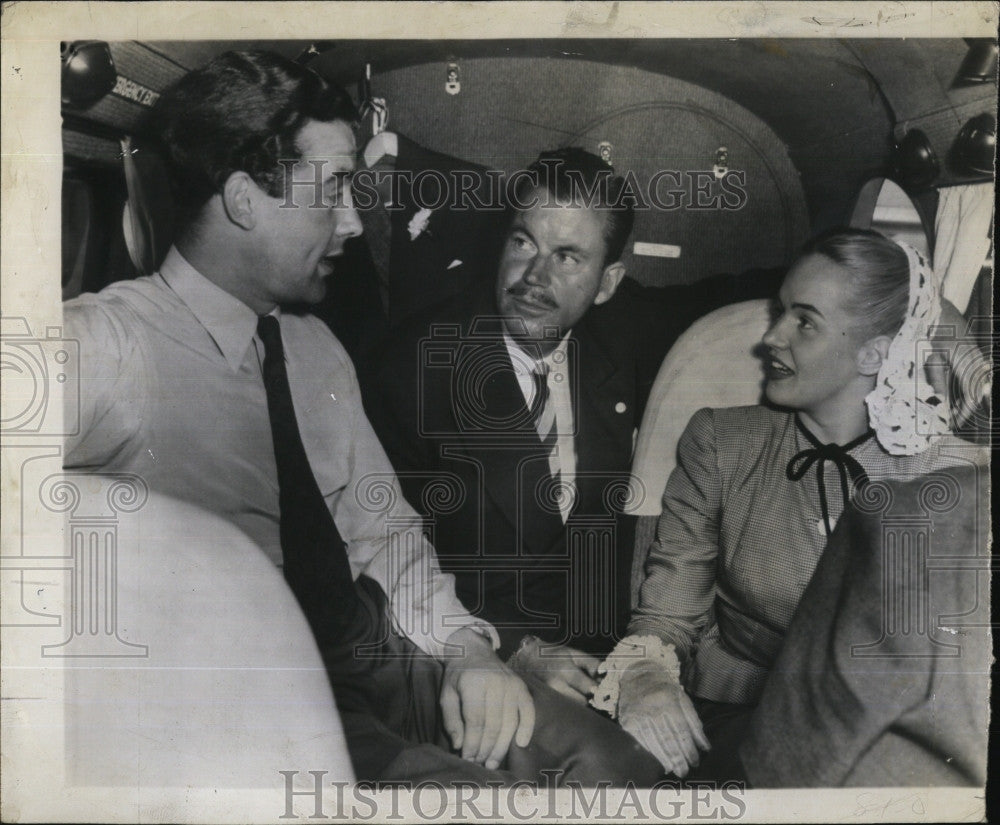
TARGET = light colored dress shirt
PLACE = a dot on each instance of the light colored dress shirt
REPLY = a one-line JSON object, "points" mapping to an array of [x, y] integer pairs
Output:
{"points": [[562, 460], [171, 389]]}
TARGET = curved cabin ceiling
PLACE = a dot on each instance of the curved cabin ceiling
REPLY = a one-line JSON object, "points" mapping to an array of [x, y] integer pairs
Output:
{"points": [[833, 104], [663, 132]]}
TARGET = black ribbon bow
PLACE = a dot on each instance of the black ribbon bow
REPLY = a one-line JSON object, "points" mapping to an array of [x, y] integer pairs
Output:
{"points": [[819, 454]]}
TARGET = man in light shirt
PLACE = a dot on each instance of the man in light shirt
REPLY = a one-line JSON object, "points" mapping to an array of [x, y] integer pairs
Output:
{"points": [[196, 380]]}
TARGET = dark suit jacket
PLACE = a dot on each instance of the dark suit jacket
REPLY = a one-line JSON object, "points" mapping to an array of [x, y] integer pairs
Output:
{"points": [[448, 409], [443, 399], [516, 563], [884, 676], [460, 244]]}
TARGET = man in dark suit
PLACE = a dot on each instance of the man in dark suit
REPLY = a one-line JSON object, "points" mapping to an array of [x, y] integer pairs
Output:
{"points": [[429, 242], [510, 413]]}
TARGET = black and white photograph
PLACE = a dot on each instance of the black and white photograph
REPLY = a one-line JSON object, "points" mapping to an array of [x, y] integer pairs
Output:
{"points": [[487, 412]]}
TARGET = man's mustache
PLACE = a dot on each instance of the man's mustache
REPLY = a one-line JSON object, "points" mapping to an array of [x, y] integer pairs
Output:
{"points": [[522, 290]]}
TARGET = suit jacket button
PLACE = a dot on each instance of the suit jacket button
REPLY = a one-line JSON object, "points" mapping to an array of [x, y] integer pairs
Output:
{"points": [[620, 407]]}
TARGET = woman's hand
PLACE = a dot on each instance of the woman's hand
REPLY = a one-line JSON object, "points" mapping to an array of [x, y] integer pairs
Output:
{"points": [[654, 708]]}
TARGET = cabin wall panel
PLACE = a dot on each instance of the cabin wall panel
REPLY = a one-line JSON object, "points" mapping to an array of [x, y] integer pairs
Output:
{"points": [[510, 109]]}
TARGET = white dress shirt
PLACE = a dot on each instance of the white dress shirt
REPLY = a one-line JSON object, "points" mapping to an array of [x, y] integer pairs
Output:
{"points": [[171, 389]]}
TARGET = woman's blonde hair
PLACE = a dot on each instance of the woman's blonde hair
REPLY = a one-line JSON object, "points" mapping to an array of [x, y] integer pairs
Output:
{"points": [[880, 274]]}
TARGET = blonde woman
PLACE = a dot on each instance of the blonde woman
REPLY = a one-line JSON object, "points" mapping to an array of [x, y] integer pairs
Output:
{"points": [[757, 490]]}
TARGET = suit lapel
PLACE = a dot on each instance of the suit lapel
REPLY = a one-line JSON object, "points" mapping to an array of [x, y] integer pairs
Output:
{"points": [[499, 435], [601, 415]]}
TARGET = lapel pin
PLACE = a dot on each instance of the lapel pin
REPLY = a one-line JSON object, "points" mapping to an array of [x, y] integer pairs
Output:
{"points": [[620, 407]]}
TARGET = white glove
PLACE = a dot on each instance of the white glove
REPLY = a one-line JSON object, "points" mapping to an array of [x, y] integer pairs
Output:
{"points": [[653, 707]]}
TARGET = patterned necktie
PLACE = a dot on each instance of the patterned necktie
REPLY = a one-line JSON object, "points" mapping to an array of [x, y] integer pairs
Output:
{"points": [[543, 410], [315, 556], [544, 416]]}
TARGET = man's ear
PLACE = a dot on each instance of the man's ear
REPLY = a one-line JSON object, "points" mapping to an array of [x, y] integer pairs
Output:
{"points": [[872, 353], [610, 278], [237, 200]]}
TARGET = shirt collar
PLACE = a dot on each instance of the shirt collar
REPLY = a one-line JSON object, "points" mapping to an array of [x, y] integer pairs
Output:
{"points": [[556, 359], [524, 361], [229, 321]]}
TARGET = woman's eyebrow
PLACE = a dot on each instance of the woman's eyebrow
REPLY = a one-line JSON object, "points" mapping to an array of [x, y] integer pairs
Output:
{"points": [[808, 308]]}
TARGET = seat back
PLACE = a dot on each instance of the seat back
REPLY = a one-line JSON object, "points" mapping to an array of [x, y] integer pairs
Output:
{"points": [[148, 218], [210, 678], [713, 364]]}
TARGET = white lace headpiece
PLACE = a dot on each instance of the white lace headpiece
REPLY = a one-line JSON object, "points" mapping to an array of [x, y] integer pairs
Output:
{"points": [[905, 412]]}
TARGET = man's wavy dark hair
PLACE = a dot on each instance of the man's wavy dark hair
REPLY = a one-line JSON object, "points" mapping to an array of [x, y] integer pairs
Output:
{"points": [[571, 170], [240, 112]]}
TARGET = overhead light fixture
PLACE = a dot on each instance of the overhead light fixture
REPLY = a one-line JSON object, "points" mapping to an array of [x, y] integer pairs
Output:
{"points": [[916, 162], [975, 147], [979, 65], [88, 72]]}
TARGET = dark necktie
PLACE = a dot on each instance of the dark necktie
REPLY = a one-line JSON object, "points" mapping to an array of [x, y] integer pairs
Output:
{"points": [[315, 556]]}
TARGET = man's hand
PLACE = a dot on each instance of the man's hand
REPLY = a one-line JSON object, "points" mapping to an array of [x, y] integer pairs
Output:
{"points": [[563, 668], [659, 714], [484, 703]]}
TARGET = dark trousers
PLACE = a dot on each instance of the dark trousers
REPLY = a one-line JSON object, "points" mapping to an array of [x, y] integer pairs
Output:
{"points": [[725, 725], [399, 736]]}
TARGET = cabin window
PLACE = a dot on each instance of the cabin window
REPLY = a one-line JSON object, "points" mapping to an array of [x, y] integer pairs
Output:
{"points": [[77, 214], [93, 245], [883, 206]]}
